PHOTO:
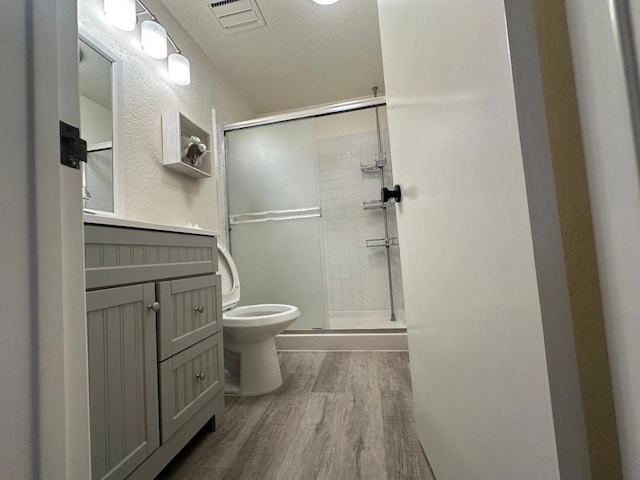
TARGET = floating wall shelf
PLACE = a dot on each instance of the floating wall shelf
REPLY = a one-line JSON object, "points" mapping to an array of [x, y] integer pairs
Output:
{"points": [[176, 132]]}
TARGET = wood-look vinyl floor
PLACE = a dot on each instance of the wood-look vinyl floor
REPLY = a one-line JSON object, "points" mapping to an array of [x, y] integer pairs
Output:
{"points": [[338, 415]]}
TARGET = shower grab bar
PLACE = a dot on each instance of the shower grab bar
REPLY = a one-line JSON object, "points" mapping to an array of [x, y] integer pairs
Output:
{"points": [[275, 215]]}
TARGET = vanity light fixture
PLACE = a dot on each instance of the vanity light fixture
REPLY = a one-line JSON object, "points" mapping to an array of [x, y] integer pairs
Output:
{"points": [[153, 37], [325, 2], [121, 14], [179, 69]]}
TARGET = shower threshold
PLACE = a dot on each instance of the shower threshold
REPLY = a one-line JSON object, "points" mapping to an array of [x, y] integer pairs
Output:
{"points": [[323, 340], [364, 319]]}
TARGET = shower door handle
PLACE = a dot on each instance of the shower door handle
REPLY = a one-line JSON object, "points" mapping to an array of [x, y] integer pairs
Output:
{"points": [[275, 215]]}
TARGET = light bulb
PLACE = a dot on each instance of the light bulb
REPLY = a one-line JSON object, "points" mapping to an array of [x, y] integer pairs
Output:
{"points": [[153, 37], [121, 14], [179, 69]]}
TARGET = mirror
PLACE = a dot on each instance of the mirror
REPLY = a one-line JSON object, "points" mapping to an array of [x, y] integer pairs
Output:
{"points": [[97, 122]]}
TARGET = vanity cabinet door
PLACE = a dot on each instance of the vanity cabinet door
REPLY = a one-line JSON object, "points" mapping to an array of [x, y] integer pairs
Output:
{"points": [[123, 382], [188, 381], [189, 312]]}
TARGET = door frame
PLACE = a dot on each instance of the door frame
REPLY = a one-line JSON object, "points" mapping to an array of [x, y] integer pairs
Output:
{"points": [[62, 384]]}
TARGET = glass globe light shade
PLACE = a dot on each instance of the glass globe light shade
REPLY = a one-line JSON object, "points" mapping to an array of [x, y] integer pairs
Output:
{"points": [[179, 69], [153, 37], [121, 14]]}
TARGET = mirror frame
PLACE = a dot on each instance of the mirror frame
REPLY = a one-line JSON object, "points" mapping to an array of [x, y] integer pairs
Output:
{"points": [[117, 87]]}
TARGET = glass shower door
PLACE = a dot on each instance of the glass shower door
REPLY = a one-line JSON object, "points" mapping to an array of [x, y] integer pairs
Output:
{"points": [[274, 214]]}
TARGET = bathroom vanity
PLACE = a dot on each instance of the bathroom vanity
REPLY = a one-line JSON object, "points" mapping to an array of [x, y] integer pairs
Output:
{"points": [[154, 328]]}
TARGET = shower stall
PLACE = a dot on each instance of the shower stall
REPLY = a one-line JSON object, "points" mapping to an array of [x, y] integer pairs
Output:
{"points": [[305, 221]]}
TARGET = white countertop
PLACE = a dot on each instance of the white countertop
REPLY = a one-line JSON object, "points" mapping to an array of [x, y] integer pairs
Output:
{"points": [[126, 223]]}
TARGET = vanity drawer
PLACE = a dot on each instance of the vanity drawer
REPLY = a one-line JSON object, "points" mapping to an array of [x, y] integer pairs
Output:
{"points": [[188, 381], [117, 256], [189, 312]]}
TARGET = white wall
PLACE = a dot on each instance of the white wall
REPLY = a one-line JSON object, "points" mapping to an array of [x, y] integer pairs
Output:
{"points": [[494, 376], [357, 121], [96, 121], [153, 192], [614, 188]]}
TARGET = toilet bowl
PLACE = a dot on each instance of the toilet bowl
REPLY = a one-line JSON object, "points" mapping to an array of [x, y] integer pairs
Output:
{"points": [[250, 359]]}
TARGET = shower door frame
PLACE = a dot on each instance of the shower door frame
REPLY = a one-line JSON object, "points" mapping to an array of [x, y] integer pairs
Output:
{"points": [[318, 111], [313, 112]]}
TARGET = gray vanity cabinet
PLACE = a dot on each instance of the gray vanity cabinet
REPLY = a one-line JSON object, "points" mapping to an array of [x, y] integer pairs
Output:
{"points": [[156, 368], [122, 379]]}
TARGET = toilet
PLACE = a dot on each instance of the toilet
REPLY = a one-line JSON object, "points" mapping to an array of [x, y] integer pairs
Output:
{"points": [[250, 358]]}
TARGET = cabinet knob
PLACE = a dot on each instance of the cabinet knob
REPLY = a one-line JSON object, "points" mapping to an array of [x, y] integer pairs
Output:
{"points": [[155, 306], [199, 309], [201, 375]]}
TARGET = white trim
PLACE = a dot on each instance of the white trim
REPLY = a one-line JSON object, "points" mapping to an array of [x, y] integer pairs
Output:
{"points": [[63, 422], [309, 112]]}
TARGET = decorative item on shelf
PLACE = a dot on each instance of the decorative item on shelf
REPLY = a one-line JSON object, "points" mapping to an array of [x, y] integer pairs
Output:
{"points": [[194, 151], [123, 14], [184, 146]]}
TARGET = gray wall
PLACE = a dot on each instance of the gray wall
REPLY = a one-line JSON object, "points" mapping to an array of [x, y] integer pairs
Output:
{"points": [[17, 395], [613, 172]]}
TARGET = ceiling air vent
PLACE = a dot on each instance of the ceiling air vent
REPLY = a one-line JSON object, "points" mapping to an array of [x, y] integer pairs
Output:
{"points": [[237, 15]]}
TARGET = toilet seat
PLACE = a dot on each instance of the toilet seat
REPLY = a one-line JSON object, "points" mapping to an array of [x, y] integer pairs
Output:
{"points": [[255, 315], [229, 277], [249, 315]]}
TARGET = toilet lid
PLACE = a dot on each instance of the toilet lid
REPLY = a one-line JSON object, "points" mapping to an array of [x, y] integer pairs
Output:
{"points": [[229, 276]]}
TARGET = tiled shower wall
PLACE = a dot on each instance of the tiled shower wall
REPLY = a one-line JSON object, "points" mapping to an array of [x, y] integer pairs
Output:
{"points": [[356, 276], [99, 180]]}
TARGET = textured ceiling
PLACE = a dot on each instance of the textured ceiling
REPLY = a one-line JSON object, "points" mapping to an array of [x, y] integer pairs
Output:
{"points": [[307, 54]]}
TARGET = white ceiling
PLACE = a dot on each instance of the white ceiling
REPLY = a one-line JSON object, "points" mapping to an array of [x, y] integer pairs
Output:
{"points": [[307, 54]]}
